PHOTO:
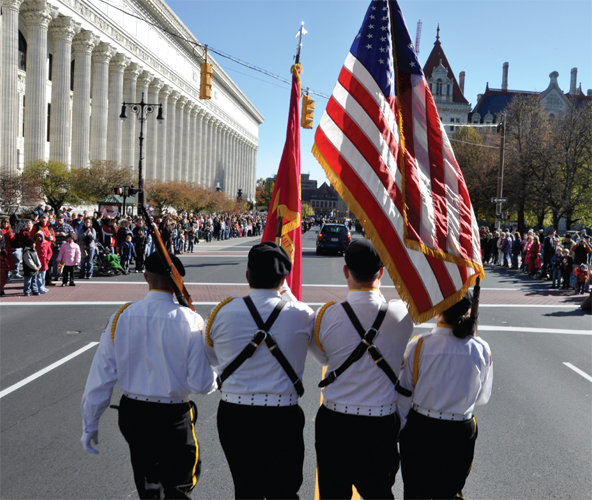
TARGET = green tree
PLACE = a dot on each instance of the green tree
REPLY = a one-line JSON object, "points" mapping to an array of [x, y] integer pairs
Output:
{"points": [[53, 181], [307, 210], [570, 172], [264, 192], [478, 158], [97, 181]]}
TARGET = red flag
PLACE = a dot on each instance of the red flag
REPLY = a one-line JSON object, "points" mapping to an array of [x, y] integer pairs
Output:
{"points": [[285, 200], [384, 149]]}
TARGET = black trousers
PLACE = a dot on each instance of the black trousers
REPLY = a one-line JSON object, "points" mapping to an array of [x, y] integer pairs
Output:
{"points": [[356, 450], [68, 274], [163, 447], [264, 447], [436, 456]]}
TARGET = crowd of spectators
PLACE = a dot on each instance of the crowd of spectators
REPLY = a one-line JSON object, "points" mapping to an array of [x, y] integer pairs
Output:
{"points": [[70, 245], [565, 260]]}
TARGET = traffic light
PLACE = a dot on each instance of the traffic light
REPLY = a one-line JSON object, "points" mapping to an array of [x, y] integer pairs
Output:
{"points": [[205, 88], [307, 115]]}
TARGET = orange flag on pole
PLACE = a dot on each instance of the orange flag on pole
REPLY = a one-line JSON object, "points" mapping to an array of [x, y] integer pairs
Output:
{"points": [[286, 205]]}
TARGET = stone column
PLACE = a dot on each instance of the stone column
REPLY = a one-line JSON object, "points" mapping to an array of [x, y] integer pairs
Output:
{"points": [[128, 128], [82, 46], [152, 132], [179, 136], [186, 140], [171, 125], [225, 163], [205, 131], [162, 151], [235, 167], [191, 162], [100, 100], [114, 126], [215, 149], [62, 29], [10, 101], [200, 178], [141, 88], [37, 14], [254, 174]]}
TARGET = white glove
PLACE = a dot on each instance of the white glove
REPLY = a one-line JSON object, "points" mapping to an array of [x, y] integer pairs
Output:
{"points": [[88, 438]]}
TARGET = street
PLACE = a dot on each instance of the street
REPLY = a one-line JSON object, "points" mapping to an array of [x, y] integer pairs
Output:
{"points": [[535, 435]]}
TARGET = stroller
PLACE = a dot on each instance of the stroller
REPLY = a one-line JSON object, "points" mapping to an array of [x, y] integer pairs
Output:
{"points": [[106, 263]]}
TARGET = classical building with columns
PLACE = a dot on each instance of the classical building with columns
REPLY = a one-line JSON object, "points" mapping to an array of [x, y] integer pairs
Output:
{"points": [[66, 67]]}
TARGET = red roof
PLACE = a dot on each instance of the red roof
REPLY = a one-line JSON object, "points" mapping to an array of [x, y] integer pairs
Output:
{"points": [[433, 61]]}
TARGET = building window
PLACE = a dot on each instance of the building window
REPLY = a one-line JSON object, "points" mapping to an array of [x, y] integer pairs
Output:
{"points": [[22, 50], [448, 89], [439, 87], [452, 126], [48, 119]]}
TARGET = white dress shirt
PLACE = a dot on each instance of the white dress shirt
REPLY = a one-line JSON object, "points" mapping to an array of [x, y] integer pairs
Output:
{"points": [[158, 355], [362, 389], [260, 380], [454, 376]]}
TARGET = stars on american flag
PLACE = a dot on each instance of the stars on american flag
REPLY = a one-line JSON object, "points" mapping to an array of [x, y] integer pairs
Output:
{"points": [[382, 49], [369, 35], [412, 64], [385, 18], [368, 46], [384, 28], [410, 46], [370, 26], [381, 61], [372, 16], [383, 38]]}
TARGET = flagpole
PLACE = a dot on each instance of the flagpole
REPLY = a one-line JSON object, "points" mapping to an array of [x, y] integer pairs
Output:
{"points": [[280, 218]]}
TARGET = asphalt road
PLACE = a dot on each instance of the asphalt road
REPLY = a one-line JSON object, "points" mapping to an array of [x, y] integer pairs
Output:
{"points": [[535, 435]]}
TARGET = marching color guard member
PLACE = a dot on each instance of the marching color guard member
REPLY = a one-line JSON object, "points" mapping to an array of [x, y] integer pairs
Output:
{"points": [[257, 345], [450, 371], [154, 349], [362, 341]]}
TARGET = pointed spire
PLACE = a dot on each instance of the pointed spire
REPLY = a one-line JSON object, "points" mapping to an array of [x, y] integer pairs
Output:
{"points": [[438, 33]]}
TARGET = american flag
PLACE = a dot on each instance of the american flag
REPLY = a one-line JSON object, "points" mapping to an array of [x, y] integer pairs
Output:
{"points": [[384, 148]]}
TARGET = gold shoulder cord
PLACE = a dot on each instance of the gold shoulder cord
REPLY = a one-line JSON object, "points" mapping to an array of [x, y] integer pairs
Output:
{"points": [[116, 318], [416, 361], [317, 329], [211, 317]]}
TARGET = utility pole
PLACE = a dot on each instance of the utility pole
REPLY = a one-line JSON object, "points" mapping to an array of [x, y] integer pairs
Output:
{"points": [[501, 128]]}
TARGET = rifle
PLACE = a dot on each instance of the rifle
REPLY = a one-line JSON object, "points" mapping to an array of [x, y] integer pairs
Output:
{"points": [[475, 305], [181, 292]]}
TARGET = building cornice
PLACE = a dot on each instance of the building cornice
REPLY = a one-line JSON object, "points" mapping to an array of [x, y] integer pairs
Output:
{"points": [[161, 13]]}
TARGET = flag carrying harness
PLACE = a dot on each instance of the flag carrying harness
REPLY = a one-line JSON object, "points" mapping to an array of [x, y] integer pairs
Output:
{"points": [[263, 335], [366, 344]]}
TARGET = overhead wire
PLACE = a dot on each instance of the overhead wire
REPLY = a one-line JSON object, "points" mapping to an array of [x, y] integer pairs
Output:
{"points": [[209, 48]]}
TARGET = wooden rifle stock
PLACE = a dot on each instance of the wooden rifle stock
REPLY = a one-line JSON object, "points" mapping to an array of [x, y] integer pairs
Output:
{"points": [[475, 305], [181, 292]]}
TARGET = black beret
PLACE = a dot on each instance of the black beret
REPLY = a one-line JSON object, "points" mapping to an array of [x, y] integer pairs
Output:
{"points": [[268, 257], [459, 309], [29, 242], [362, 258], [155, 265]]}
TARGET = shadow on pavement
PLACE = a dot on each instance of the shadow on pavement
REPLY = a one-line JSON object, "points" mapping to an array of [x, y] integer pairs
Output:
{"points": [[579, 312]]}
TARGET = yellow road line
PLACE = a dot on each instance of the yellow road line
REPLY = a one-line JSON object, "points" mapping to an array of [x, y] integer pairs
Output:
{"points": [[355, 495]]}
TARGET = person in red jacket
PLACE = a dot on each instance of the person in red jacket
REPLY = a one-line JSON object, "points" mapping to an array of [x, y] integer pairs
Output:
{"points": [[9, 240], [581, 272], [44, 252]]}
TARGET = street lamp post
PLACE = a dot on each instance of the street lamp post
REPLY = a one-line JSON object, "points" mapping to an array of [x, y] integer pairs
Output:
{"points": [[141, 109]]}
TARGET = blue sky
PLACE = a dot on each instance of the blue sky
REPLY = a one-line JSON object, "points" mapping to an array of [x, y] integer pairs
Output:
{"points": [[536, 37]]}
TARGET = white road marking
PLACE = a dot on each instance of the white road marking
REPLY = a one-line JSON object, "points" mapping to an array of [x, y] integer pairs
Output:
{"points": [[578, 371], [40, 373], [519, 329]]}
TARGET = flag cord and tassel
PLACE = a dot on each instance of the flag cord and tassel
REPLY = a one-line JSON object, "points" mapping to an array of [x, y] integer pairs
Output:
{"points": [[475, 305]]}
